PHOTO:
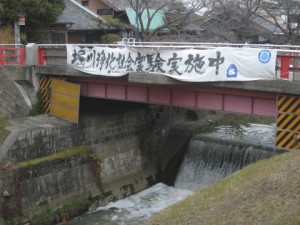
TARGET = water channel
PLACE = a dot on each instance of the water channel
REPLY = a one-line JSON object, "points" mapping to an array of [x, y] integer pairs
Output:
{"points": [[209, 158]]}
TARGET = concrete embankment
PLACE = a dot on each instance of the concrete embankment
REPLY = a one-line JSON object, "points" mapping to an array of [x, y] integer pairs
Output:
{"points": [[124, 148], [18, 86]]}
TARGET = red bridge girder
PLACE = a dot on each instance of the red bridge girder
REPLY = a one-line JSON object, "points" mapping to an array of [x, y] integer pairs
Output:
{"points": [[188, 96]]}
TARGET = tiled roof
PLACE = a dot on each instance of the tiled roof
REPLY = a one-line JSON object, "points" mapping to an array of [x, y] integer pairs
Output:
{"points": [[267, 25], [117, 5], [121, 5], [79, 17]]}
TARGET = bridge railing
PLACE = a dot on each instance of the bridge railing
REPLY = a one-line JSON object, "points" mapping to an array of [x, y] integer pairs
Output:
{"points": [[12, 54], [288, 57], [56, 55], [52, 55]]}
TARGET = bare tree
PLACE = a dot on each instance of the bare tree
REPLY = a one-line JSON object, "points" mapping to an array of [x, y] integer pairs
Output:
{"points": [[231, 20], [177, 14], [238, 21], [286, 15]]}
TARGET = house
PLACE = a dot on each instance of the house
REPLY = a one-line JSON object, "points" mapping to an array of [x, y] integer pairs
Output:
{"points": [[126, 14], [78, 24], [86, 21], [111, 9], [265, 29], [232, 26]]}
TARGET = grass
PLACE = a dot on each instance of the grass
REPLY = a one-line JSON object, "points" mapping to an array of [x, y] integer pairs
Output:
{"points": [[3, 132], [264, 193], [71, 209], [83, 151]]}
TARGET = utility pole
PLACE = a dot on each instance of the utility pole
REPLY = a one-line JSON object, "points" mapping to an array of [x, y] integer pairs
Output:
{"points": [[137, 30], [20, 21], [17, 31]]}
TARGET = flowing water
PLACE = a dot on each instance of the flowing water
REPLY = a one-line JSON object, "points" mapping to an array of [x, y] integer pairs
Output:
{"points": [[222, 153], [136, 209], [209, 158]]}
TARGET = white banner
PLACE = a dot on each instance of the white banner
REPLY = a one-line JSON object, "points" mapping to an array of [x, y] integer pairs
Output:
{"points": [[219, 64]]}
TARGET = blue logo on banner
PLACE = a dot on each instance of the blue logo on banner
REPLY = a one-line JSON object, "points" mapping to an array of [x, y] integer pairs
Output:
{"points": [[232, 71], [264, 56]]}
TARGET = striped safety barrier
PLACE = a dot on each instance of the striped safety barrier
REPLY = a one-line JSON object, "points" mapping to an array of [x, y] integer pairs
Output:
{"points": [[45, 85], [288, 122]]}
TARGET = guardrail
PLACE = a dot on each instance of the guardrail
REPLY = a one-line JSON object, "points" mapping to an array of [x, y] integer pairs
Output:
{"points": [[288, 57], [12, 54]]}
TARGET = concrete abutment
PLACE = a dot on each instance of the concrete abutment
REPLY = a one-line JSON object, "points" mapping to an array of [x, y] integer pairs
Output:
{"points": [[125, 145]]}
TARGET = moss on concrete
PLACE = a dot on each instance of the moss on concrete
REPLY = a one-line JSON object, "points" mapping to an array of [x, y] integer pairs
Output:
{"points": [[82, 151], [3, 132]]}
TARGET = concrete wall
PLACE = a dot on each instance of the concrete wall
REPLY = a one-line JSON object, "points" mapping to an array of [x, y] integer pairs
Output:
{"points": [[126, 142], [18, 86], [12, 104], [43, 135], [127, 139], [54, 183]]}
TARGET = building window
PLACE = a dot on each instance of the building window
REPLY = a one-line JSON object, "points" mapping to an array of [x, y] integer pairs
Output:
{"points": [[85, 2], [105, 12], [58, 38]]}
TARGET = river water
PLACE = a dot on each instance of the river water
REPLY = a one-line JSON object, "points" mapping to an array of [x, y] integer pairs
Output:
{"points": [[205, 162], [136, 209]]}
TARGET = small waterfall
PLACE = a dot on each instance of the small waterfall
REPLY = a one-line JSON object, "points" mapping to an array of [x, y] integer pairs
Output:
{"points": [[208, 160]]}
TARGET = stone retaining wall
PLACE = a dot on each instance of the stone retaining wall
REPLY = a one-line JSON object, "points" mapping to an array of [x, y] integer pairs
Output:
{"points": [[49, 135], [12, 104], [18, 87], [126, 145]]}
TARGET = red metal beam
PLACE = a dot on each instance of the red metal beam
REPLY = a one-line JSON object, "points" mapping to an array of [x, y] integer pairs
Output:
{"points": [[209, 98]]}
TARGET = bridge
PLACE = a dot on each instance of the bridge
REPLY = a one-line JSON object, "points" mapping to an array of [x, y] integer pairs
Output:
{"points": [[269, 86]]}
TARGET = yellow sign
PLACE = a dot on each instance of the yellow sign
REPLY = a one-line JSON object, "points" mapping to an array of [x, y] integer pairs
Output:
{"points": [[64, 101]]}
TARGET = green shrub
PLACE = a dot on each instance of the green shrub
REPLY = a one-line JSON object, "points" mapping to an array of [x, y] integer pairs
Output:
{"points": [[70, 209], [37, 107], [112, 22], [110, 38]]}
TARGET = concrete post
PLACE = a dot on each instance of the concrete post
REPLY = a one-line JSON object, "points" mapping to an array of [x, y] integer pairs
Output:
{"points": [[31, 54], [17, 32]]}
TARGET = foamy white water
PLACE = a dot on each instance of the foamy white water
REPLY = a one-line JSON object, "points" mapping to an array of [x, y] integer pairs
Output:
{"points": [[136, 209]]}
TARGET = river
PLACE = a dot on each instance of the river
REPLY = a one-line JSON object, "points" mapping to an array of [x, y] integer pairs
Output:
{"points": [[214, 161]]}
